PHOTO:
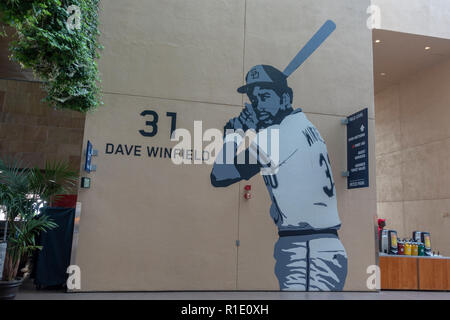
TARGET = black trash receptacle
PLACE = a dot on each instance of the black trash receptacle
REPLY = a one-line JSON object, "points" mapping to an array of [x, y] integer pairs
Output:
{"points": [[52, 261]]}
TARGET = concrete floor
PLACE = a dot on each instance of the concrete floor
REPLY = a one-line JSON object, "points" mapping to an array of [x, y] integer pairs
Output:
{"points": [[385, 295], [28, 292]]}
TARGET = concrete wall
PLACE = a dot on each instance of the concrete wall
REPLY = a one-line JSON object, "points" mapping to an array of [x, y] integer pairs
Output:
{"points": [[413, 148], [147, 224], [424, 17], [32, 131]]}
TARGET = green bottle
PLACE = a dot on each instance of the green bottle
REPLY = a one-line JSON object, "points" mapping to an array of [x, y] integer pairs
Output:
{"points": [[421, 249]]}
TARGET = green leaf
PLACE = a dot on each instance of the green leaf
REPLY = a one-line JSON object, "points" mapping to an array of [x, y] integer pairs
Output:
{"points": [[49, 48]]}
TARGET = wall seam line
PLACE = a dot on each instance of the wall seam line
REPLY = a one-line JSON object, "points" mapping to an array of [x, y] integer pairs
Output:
{"points": [[417, 200], [170, 99], [239, 184], [413, 147], [217, 103]]}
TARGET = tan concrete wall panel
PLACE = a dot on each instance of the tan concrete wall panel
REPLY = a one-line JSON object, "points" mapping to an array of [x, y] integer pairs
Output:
{"points": [[389, 177], [419, 163], [258, 235], [425, 17], [424, 102], [388, 126], [337, 79], [432, 216], [146, 223], [180, 49], [333, 81], [426, 172], [393, 212]]}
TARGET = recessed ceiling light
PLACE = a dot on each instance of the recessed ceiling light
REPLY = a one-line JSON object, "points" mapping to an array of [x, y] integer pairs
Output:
{"points": [[377, 41], [427, 48], [383, 74]]}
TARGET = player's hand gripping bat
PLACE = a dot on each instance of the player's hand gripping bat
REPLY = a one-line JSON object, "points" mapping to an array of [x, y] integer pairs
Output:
{"points": [[311, 46]]}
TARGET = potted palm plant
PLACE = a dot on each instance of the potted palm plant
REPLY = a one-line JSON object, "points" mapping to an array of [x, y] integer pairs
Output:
{"points": [[23, 192]]}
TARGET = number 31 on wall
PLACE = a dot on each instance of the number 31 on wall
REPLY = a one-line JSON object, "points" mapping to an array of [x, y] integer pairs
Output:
{"points": [[154, 122]]}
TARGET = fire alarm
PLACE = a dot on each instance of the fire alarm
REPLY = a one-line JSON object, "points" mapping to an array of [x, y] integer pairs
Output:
{"points": [[247, 194]]}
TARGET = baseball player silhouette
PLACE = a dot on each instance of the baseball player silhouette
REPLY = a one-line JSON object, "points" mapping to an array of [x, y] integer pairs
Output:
{"points": [[297, 172]]}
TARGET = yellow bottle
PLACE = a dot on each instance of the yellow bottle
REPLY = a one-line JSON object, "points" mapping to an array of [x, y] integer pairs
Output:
{"points": [[407, 248], [415, 249]]}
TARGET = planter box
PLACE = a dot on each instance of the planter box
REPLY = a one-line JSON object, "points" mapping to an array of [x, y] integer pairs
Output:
{"points": [[9, 289]]}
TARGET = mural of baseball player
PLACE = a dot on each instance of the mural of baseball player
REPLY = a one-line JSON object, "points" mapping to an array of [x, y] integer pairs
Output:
{"points": [[308, 254]]}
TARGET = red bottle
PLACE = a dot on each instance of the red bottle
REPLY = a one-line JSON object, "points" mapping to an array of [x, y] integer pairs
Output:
{"points": [[401, 248]]}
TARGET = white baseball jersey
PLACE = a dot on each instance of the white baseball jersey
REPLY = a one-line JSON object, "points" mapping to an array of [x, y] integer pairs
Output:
{"points": [[301, 187]]}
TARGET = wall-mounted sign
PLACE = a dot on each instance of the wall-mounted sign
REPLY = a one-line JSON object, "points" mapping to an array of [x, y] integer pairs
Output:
{"points": [[89, 153], [358, 150], [85, 183]]}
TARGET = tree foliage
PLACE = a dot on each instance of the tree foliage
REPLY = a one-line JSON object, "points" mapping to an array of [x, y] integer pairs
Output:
{"points": [[63, 58]]}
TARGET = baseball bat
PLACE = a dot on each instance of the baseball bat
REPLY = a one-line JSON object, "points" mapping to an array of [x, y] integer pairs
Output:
{"points": [[313, 44]]}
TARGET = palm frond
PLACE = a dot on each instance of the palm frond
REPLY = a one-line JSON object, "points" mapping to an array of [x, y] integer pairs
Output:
{"points": [[24, 240], [13, 175], [22, 192], [57, 178]]}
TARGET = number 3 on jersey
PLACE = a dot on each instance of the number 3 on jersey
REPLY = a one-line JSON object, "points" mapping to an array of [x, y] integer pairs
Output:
{"points": [[329, 190]]}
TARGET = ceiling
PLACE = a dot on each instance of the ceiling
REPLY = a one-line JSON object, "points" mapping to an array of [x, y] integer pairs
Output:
{"points": [[400, 55]]}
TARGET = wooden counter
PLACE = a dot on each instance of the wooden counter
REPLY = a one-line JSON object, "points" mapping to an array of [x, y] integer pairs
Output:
{"points": [[414, 273], [433, 274], [398, 273]]}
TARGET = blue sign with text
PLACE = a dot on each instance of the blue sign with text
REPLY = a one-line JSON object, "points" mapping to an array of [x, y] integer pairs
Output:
{"points": [[89, 153], [358, 150]]}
